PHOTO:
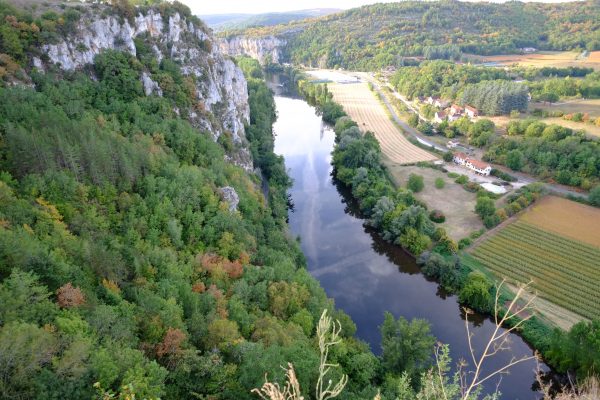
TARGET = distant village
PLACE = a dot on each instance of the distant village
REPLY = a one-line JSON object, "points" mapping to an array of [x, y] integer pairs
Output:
{"points": [[448, 112]]}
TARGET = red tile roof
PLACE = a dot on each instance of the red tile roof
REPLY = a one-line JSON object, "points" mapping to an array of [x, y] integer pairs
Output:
{"points": [[479, 164], [461, 155], [473, 109]]}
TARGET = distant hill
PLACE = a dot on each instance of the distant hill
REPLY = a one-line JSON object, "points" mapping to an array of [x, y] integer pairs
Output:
{"points": [[374, 36], [220, 22]]}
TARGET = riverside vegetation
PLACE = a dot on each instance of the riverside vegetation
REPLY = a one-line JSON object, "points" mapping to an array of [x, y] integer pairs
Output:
{"points": [[403, 220]]}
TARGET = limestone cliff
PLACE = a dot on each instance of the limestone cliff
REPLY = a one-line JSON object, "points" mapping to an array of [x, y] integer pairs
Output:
{"points": [[259, 48], [220, 86]]}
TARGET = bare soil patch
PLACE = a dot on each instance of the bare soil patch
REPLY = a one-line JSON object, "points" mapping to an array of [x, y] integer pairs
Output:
{"points": [[456, 203]]}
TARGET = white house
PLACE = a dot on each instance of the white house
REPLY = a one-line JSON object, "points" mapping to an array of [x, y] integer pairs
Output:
{"points": [[474, 165], [439, 117], [472, 112], [480, 167], [455, 109], [432, 99], [460, 158]]}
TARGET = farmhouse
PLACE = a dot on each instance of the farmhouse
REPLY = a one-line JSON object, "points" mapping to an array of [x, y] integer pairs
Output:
{"points": [[460, 158], [480, 167], [439, 117], [441, 103], [472, 112], [432, 99], [455, 109], [477, 166]]}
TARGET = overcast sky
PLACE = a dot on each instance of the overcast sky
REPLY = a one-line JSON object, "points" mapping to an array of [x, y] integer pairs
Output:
{"points": [[205, 7]]}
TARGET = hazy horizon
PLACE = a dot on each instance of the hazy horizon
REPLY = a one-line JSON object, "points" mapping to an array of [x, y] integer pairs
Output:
{"points": [[268, 6]]}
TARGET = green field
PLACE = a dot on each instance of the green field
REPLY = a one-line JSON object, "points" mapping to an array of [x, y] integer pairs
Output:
{"points": [[564, 271]]}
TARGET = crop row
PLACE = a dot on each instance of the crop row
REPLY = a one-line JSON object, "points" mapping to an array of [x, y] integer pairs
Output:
{"points": [[564, 271], [546, 256], [562, 296], [534, 238]]}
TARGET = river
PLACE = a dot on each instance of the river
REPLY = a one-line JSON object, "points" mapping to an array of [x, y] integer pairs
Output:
{"points": [[363, 274]]}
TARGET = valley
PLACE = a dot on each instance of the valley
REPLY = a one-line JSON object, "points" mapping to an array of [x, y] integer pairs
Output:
{"points": [[393, 201]]}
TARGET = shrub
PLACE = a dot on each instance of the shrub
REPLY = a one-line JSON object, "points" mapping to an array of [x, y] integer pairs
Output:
{"points": [[452, 175], [464, 243], [448, 156], [595, 196], [437, 216], [476, 292], [415, 183], [439, 183], [461, 180], [471, 187]]}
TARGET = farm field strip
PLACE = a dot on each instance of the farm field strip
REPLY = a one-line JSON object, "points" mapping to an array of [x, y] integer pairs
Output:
{"points": [[590, 262], [559, 260], [362, 106], [561, 297], [563, 271]]}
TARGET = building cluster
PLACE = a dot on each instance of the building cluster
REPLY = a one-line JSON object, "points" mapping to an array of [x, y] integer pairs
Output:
{"points": [[449, 112], [474, 165]]}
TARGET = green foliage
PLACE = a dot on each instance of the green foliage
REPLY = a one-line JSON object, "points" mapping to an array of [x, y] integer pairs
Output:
{"points": [[415, 183], [496, 97], [594, 196], [485, 206], [577, 350], [476, 292], [375, 36], [549, 152], [440, 183], [515, 160], [406, 346]]}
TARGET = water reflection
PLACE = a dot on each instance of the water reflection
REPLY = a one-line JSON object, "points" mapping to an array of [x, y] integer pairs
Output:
{"points": [[365, 275]]}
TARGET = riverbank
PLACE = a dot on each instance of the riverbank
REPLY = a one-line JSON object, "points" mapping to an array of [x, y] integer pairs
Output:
{"points": [[363, 273], [365, 180]]}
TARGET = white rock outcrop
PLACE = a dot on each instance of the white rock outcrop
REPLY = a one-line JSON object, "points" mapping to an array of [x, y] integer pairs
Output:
{"points": [[260, 48], [220, 85]]}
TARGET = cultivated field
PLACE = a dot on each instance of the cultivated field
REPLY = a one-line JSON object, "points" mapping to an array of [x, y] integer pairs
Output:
{"points": [[548, 59], [456, 203], [564, 271], [364, 108], [565, 217]]}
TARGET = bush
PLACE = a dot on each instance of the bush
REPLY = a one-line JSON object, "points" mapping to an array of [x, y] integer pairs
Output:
{"points": [[452, 175], [464, 243], [595, 196], [437, 216], [485, 207], [448, 156], [503, 175], [415, 183], [471, 187], [461, 180], [476, 292], [439, 183]]}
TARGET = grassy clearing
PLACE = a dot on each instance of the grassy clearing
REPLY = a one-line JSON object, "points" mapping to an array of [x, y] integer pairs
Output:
{"points": [[364, 108], [455, 202], [565, 217], [564, 271]]}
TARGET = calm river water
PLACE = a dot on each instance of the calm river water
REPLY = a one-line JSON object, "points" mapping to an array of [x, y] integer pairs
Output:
{"points": [[365, 275]]}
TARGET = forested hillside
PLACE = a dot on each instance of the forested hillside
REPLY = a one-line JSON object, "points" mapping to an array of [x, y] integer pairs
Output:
{"points": [[136, 257], [379, 35]]}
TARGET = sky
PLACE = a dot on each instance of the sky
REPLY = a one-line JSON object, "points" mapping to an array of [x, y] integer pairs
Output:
{"points": [[206, 7]]}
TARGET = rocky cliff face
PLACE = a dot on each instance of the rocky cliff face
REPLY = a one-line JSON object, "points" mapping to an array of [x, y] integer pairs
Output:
{"points": [[220, 85], [262, 49]]}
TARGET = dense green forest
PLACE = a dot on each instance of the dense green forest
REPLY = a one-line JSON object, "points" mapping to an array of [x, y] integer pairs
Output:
{"points": [[375, 36], [548, 152]]}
